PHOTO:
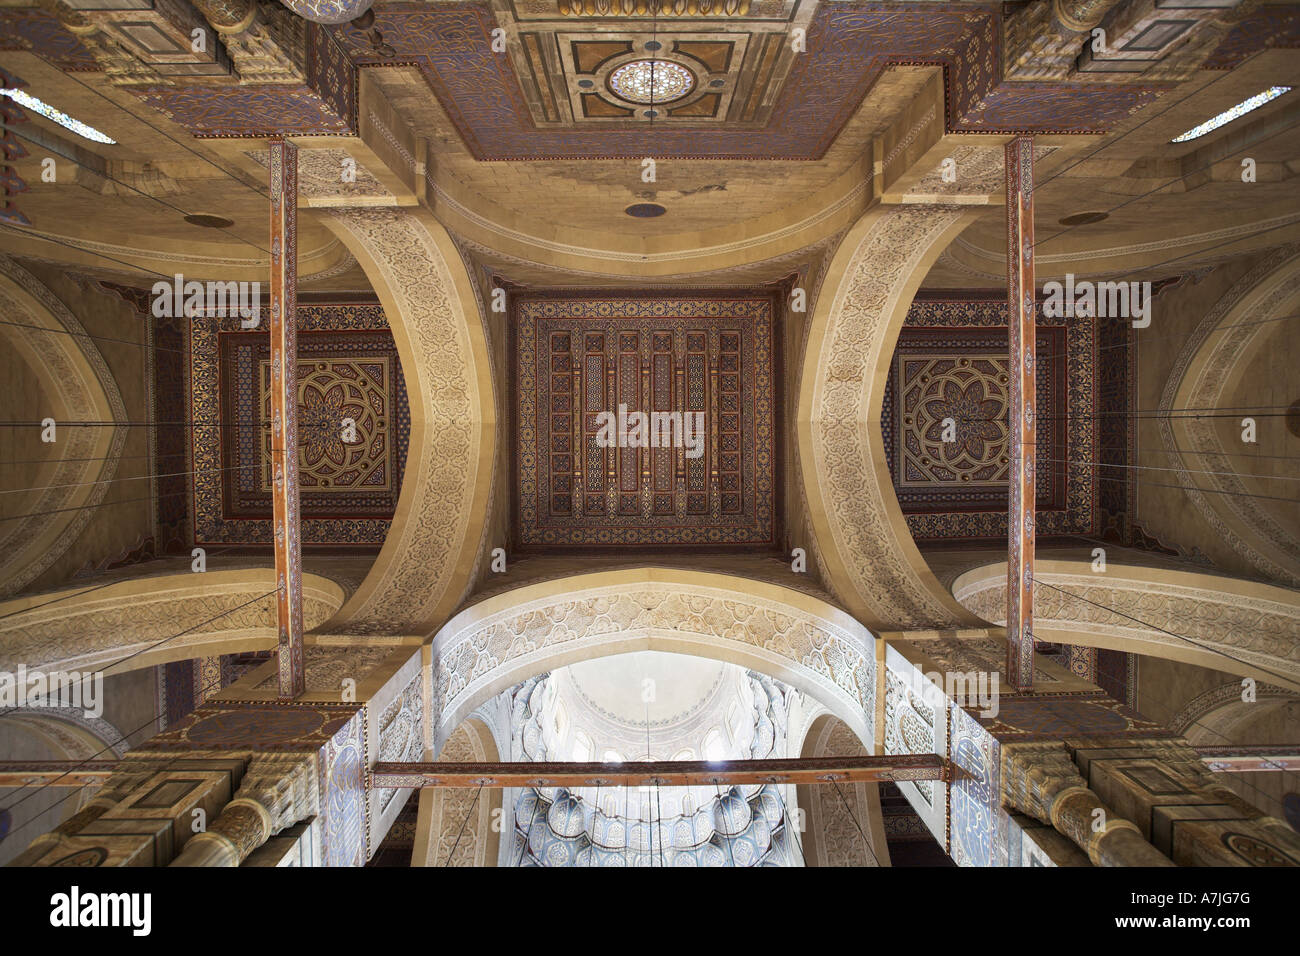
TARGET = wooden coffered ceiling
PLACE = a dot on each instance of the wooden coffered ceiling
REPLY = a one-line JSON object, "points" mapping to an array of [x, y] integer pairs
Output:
{"points": [[739, 63]]}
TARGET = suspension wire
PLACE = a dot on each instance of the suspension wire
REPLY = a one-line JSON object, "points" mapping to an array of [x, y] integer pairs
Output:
{"points": [[183, 145], [591, 850], [785, 810], [1132, 129], [1177, 179], [726, 816], [1146, 336], [1243, 777], [1207, 491], [463, 823], [854, 817], [537, 802], [659, 822], [1189, 451], [97, 338], [37, 788], [1182, 637], [1190, 471], [122, 738], [627, 815], [74, 591], [104, 175], [63, 461], [131, 266], [109, 481]]}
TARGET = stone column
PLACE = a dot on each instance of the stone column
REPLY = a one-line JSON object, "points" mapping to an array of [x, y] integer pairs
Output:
{"points": [[276, 792], [1042, 781]]}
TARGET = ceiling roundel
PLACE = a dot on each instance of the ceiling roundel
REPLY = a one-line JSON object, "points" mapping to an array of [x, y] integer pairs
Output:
{"points": [[651, 81]]}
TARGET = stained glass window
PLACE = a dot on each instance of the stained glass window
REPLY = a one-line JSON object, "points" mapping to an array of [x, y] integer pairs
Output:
{"points": [[651, 81], [1227, 116], [30, 102]]}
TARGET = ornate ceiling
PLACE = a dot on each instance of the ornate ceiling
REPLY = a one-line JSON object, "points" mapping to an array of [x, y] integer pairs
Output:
{"points": [[709, 357]]}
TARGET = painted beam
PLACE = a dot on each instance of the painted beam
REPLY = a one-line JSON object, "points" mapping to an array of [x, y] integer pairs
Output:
{"points": [[284, 415], [1019, 162], [669, 773]]}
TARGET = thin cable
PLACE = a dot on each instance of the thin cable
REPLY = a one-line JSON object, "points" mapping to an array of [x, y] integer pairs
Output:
{"points": [[131, 266], [104, 175], [463, 823], [1146, 335], [37, 789], [537, 802], [854, 817], [1177, 179], [175, 142], [1182, 637], [74, 591], [726, 816], [97, 338], [1190, 471], [122, 738], [109, 481], [591, 850], [1106, 142], [785, 811]]}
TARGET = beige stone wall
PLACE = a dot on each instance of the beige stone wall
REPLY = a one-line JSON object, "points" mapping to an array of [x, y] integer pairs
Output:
{"points": [[113, 529], [1269, 380]]}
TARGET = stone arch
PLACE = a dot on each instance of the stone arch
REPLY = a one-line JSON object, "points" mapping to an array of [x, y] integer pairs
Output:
{"points": [[80, 387], [49, 733], [455, 827], [1219, 708], [425, 567], [792, 636], [831, 836], [1212, 361], [97, 627], [1225, 624], [862, 540]]}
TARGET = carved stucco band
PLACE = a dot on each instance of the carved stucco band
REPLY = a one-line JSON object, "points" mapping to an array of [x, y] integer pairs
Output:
{"points": [[423, 571], [871, 561], [529, 630], [1212, 360], [1241, 627], [78, 384], [150, 620]]}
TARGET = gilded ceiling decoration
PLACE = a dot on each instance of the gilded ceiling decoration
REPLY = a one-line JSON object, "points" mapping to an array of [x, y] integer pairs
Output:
{"points": [[710, 359], [951, 364], [350, 482]]}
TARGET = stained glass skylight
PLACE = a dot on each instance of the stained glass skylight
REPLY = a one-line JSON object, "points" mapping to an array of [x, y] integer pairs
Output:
{"points": [[651, 81], [27, 101], [1227, 116]]}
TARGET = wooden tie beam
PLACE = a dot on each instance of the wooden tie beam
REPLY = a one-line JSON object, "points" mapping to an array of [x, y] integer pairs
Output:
{"points": [[55, 773], [1019, 162], [284, 415], [666, 773]]}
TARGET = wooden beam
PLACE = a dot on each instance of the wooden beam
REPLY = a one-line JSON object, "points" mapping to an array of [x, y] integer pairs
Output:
{"points": [[1255, 758], [1019, 162], [668, 773], [55, 773], [284, 415]]}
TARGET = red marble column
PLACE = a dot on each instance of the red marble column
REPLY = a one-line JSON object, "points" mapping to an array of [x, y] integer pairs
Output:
{"points": [[1020, 317], [284, 413]]}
